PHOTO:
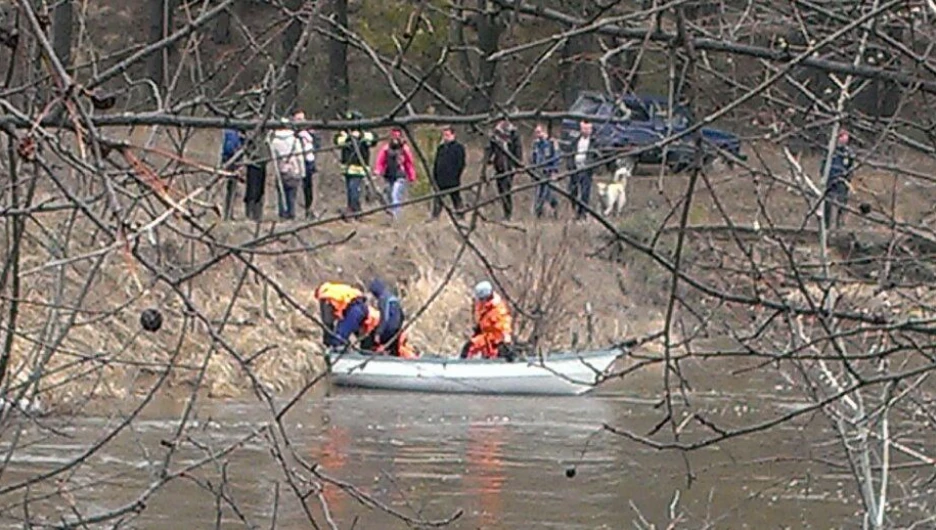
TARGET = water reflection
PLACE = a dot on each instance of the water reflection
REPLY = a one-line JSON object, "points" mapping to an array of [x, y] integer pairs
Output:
{"points": [[430, 455], [486, 476], [500, 459], [332, 455]]}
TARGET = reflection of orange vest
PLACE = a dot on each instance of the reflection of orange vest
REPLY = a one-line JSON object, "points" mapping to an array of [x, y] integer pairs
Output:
{"points": [[339, 295], [486, 476], [332, 456]]}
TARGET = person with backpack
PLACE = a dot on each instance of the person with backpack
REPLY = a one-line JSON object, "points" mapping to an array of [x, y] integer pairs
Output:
{"points": [[506, 154], [288, 155], [389, 336], [395, 165], [310, 144], [231, 142], [841, 170], [355, 146]]}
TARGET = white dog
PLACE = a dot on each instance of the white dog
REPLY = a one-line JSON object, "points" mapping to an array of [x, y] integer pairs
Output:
{"points": [[614, 194]]}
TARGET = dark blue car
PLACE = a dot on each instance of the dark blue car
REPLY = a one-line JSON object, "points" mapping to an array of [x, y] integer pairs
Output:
{"points": [[630, 122]]}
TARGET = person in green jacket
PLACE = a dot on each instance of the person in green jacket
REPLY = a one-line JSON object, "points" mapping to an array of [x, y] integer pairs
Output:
{"points": [[355, 148]]}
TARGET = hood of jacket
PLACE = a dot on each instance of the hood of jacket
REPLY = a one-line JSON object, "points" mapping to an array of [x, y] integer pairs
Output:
{"points": [[377, 288]]}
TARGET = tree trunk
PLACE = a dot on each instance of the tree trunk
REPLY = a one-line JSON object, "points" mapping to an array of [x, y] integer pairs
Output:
{"points": [[161, 26], [339, 90], [489, 31], [457, 39], [221, 33], [579, 68], [289, 98], [62, 32]]}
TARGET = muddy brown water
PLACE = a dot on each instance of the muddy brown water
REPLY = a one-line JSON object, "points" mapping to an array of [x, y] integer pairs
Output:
{"points": [[502, 460]]}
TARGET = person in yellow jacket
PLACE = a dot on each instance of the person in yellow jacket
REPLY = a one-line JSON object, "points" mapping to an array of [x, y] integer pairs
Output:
{"points": [[355, 146], [343, 309]]}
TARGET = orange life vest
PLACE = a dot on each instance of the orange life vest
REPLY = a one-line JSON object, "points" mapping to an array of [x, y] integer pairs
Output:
{"points": [[339, 295], [371, 321], [405, 349], [496, 327]]}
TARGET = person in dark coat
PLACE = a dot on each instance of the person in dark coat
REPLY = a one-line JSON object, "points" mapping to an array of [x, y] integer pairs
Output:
{"points": [[387, 332], [545, 161], [506, 154], [447, 172], [841, 169], [256, 176], [232, 141]]}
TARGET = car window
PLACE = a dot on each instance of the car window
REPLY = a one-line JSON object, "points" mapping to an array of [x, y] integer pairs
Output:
{"points": [[585, 105], [638, 112], [606, 110], [623, 112]]}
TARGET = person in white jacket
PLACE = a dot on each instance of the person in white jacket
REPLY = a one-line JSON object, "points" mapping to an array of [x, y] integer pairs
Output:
{"points": [[289, 162], [309, 141]]}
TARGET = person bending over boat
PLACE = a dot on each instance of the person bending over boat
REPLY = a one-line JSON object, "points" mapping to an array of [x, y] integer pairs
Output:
{"points": [[493, 326], [344, 311], [371, 341], [388, 335]]}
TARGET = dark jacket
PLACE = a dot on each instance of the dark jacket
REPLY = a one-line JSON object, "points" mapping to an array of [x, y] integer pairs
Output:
{"points": [[351, 322], [503, 148], [391, 312], [449, 164], [545, 156], [592, 156], [355, 151], [256, 153], [842, 165], [232, 141]]}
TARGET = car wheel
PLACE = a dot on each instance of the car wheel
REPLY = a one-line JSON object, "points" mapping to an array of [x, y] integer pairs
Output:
{"points": [[676, 166], [711, 163]]}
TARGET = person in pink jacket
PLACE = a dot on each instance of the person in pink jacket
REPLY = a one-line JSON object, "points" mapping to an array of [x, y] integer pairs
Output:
{"points": [[396, 165]]}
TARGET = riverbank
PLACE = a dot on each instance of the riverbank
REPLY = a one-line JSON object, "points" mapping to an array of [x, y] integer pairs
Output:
{"points": [[236, 297]]}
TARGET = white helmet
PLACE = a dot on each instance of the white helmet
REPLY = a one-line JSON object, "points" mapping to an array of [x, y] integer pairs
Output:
{"points": [[483, 290]]}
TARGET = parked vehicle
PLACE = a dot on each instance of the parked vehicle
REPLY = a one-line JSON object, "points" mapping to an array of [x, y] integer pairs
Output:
{"points": [[632, 122]]}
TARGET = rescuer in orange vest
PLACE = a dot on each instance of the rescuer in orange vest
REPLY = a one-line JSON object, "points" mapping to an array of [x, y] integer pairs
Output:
{"points": [[493, 332], [344, 312]]}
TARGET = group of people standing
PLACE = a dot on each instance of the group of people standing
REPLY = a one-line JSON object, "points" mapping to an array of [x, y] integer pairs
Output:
{"points": [[294, 152], [505, 153]]}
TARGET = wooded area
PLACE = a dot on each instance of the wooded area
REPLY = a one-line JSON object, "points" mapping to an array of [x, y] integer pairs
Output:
{"points": [[111, 115]]}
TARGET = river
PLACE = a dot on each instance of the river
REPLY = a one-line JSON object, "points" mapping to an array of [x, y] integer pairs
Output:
{"points": [[503, 461]]}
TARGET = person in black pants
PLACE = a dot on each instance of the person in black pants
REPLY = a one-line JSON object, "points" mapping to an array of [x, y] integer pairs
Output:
{"points": [[447, 172], [841, 170], [581, 163], [310, 145], [256, 178], [506, 154]]}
